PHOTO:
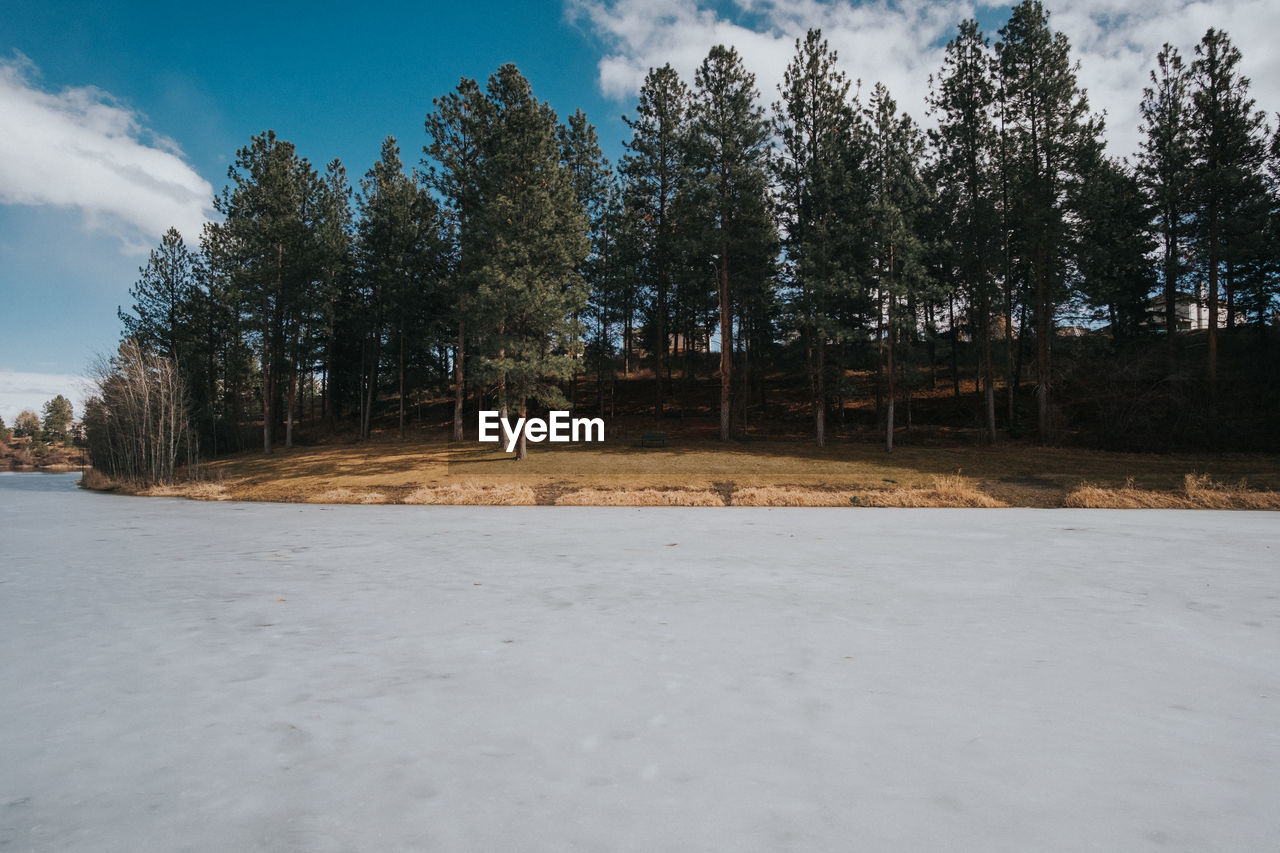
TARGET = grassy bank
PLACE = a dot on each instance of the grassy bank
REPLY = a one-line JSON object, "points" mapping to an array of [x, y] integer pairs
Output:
{"points": [[694, 471]]}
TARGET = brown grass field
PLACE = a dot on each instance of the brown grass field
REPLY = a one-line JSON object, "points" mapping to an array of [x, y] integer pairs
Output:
{"points": [[693, 470]]}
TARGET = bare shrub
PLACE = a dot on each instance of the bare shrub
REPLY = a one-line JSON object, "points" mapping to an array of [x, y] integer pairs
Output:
{"points": [[94, 479], [136, 423]]}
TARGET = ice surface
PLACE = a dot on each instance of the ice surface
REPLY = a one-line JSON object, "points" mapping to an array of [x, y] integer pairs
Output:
{"points": [[215, 677]]}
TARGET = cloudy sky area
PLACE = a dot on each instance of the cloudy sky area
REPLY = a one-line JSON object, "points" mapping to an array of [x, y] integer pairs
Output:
{"points": [[120, 121]]}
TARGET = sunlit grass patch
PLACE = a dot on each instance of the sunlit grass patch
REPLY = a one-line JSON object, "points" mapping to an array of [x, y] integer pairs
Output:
{"points": [[347, 496], [949, 490], [790, 496], [474, 494], [640, 497], [1199, 491], [197, 490]]}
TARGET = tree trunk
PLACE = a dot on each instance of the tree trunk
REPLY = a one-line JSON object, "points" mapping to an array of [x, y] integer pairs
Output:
{"points": [[889, 369], [726, 343], [289, 411], [1044, 329], [1171, 299], [660, 352], [459, 388], [402, 383], [988, 374], [522, 449], [820, 397], [955, 358], [1213, 315]]}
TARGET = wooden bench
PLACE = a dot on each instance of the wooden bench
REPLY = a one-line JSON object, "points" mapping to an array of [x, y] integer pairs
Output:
{"points": [[653, 439]]}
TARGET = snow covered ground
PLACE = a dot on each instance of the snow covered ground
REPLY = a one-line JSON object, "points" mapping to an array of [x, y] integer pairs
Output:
{"points": [[215, 677]]}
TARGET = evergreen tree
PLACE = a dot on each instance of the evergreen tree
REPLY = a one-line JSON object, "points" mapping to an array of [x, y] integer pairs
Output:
{"points": [[1115, 246], [729, 150], [339, 338], [1051, 135], [397, 262], [593, 188], [457, 138], [654, 176], [963, 96], [57, 418], [896, 147], [1164, 172], [265, 246], [1228, 144], [164, 297], [535, 237], [815, 124]]}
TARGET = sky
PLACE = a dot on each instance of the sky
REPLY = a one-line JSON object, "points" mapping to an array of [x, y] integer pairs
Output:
{"points": [[118, 120]]}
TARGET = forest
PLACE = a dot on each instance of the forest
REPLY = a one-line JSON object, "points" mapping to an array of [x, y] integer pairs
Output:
{"points": [[825, 243]]}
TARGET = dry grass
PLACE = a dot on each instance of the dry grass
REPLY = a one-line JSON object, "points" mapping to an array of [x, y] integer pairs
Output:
{"points": [[791, 496], [347, 496], [1199, 491], [946, 491], [701, 471], [97, 481], [474, 494], [640, 497], [197, 490]]}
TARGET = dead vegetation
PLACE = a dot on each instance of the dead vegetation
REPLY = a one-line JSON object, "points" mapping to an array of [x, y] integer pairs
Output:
{"points": [[697, 472], [640, 497], [1199, 491], [946, 491], [347, 496], [97, 481], [474, 494], [196, 490], [792, 496]]}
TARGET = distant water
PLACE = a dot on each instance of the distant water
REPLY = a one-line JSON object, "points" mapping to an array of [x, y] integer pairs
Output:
{"points": [[39, 481]]}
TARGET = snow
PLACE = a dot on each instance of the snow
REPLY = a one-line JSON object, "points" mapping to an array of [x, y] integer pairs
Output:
{"points": [[211, 677]]}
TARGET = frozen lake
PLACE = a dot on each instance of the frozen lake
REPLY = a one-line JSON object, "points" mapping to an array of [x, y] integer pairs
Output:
{"points": [[214, 677]]}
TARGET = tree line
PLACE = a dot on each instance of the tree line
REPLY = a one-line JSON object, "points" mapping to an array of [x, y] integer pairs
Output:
{"points": [[827, 231]]}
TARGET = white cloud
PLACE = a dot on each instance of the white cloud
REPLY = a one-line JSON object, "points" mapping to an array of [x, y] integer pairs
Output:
{"points": [[26, 390], [897, 42], [80, 148]]}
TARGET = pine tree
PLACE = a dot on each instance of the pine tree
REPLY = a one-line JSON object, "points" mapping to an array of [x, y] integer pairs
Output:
{"points": [[57, 418], [963, 96], [729, 150], [164, 296], [896, 148], [535, 238], [593, 187], [457, 138], [815, 125], [397, 252], [1164, 172], [654, 176], [1229, 150], [265, 246], [1115, 247], [1051, 134]]}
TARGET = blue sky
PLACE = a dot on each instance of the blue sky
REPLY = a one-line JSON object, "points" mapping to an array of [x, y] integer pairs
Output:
{"points": [[122, 117]]}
